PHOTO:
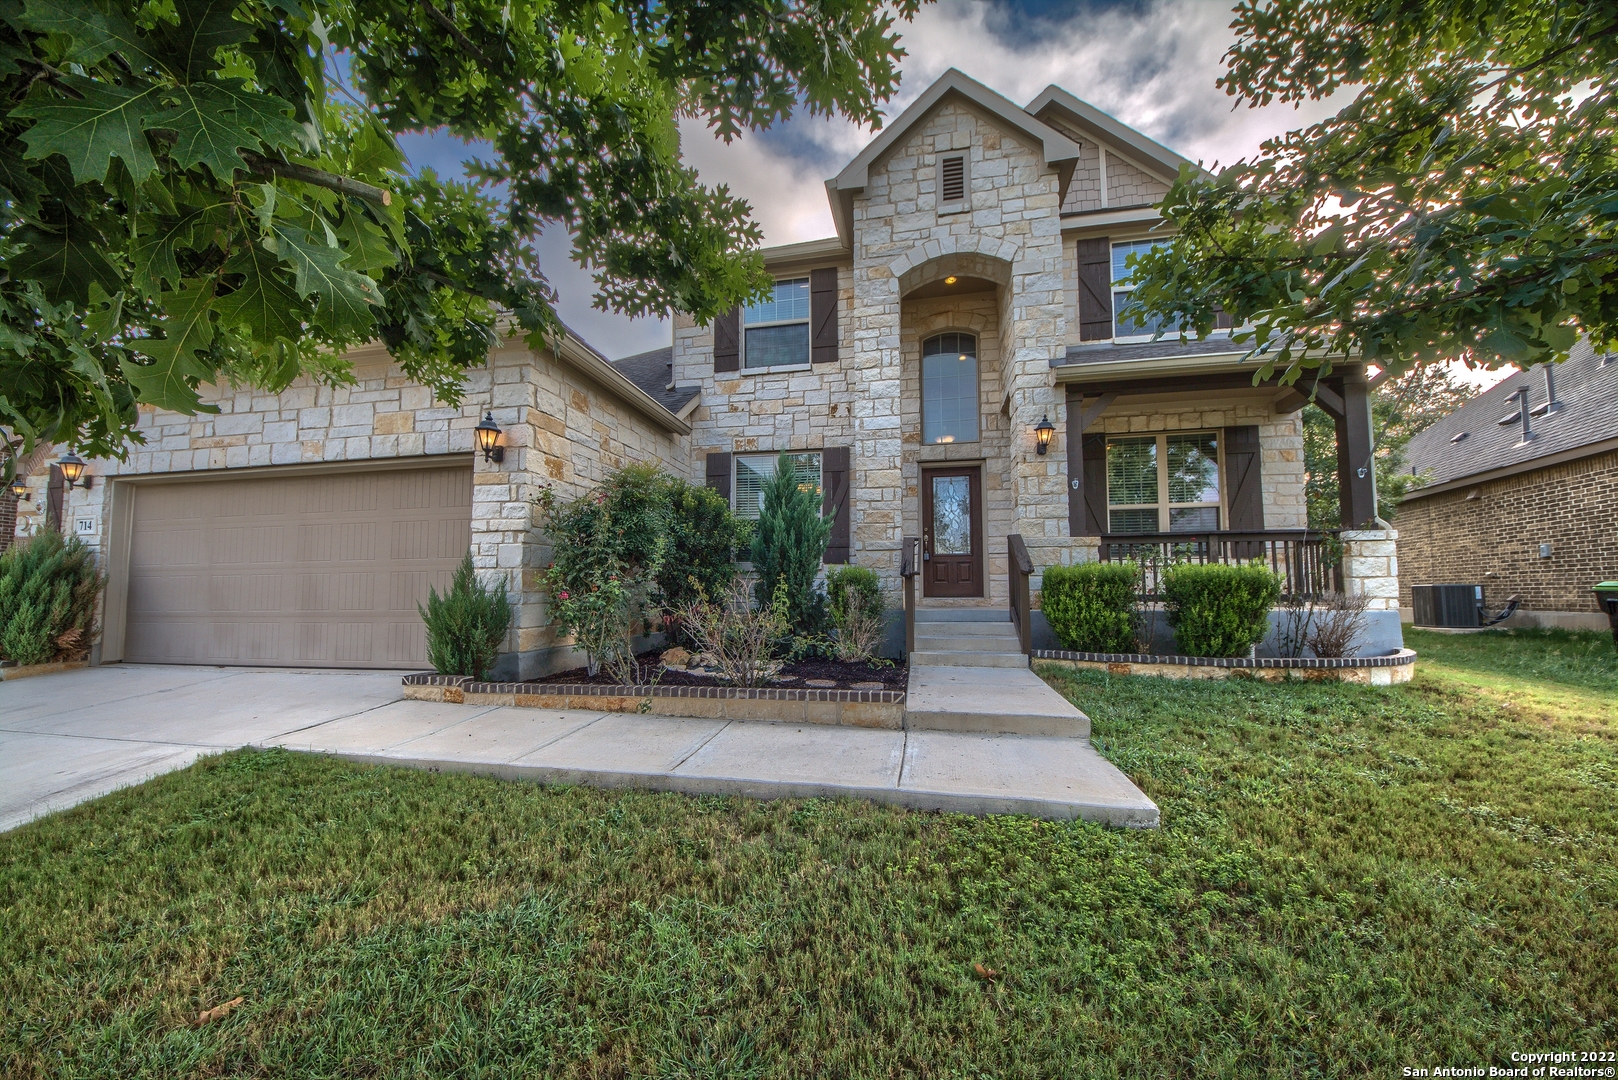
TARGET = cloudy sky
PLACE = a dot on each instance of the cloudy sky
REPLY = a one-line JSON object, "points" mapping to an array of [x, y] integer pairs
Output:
{"points": [[1150, 64]]}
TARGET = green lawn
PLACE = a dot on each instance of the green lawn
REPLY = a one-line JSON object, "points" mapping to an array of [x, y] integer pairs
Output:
{"points": [[1349, 880]]}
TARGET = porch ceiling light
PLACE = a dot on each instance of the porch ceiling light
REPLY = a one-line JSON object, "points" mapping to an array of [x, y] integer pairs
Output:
{"points": [[952, 279], [487, 435], [72, 467], [1043, 433]]}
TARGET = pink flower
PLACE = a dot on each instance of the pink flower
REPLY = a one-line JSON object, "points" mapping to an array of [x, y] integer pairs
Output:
{"points": [[562, 595]]}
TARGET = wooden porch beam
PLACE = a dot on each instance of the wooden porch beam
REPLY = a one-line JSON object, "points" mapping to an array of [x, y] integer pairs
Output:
{"points": [[1081, 417], [1296, 397], [1356, 469]]}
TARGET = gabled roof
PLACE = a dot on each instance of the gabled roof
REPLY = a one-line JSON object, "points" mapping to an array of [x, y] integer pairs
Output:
{"points": [[1471, 442], [1088, 118], [1055, 148], [653, 371]]}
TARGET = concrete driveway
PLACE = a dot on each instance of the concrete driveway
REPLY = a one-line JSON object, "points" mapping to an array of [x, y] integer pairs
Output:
{"points": [[70, 737]]}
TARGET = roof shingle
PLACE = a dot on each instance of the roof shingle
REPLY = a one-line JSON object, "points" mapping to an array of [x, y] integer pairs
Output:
{"points": [[652, 372]]}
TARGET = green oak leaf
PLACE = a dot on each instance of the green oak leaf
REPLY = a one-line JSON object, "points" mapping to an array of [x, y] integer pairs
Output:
{"points": [[17, 183], [346, 297], [265, 301], [104, 122], [213, 121], [205, 26], [365, 243], [65, 262], [95, 32], [170, 380]]}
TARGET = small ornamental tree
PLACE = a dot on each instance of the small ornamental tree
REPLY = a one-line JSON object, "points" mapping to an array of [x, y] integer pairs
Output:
{"points": [[788, 545], [48, 590]]}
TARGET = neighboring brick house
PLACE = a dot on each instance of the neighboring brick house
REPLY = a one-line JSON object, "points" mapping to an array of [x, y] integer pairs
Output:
{"points": [[1532, 518], [910, 362]]}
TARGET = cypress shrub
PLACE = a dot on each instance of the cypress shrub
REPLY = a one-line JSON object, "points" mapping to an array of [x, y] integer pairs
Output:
{"points": [[788, 544], [1219, 610], [466, 625], [1091, 606], [48, 590]]}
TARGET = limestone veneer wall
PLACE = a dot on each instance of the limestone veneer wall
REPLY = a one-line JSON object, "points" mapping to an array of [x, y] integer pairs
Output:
{"points": [[561, 429]]}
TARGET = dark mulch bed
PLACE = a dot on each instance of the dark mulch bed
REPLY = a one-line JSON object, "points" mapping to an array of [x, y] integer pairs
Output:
{"points": [[795, 675]]}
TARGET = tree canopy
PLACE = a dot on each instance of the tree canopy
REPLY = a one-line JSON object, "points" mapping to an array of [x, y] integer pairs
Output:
{"points": [[190, 194], [1463, 204]]}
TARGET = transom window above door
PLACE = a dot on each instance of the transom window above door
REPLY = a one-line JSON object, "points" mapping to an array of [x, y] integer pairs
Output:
{"points": [[949, 389], [1163, 483], [775, 332]]}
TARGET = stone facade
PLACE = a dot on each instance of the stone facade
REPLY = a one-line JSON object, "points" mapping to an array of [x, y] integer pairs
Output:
{"points": [[1490, 534], [561, 429]]}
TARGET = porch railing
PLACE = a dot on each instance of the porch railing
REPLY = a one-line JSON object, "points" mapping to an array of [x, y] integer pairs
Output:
{"points": [[909, 567], [1309, 562], [1019, 568]]}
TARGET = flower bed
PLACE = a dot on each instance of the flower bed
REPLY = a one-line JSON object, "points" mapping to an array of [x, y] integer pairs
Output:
{"points": [[797, 674], [1396, 667]]}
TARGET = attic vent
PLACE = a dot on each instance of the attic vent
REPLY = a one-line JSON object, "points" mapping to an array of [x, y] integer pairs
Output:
{"points": [[1458, 437], [952, 179]]}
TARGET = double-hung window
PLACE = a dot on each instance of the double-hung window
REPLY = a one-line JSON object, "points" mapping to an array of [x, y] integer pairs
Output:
{"points": [[1128, 322], [1163, 483], [754, 471], [775, 332]]}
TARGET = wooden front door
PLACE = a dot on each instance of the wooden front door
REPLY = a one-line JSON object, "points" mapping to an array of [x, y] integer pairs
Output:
{"points": [[952, 531]]}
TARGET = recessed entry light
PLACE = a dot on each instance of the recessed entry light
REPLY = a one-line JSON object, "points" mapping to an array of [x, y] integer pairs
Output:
{"points": [[950, 280]]}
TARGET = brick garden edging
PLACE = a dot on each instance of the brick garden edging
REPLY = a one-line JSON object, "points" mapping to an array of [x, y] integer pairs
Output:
{"points": [[1385, 670], [855, 708], [9, 670]]}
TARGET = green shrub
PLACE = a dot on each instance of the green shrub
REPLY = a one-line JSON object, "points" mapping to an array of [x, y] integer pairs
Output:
{"points": [[48, 590], [1219, 610], [466, 625], [788, 544], [854, 597], [607, 548], [1091, 607], [703, 536]]}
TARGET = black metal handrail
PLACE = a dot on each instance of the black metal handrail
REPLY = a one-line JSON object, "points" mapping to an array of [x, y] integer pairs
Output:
{"points": [[909, 567], [1019, 568], [1308, 561]]}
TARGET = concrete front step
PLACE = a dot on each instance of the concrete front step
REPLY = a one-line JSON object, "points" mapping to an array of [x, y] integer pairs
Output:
{"points": [[960, 615], [992, 700], [928, 638], [967, 658]]}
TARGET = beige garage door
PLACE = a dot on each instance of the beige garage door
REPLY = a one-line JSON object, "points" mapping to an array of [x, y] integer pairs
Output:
{"points": [[317, 570]]}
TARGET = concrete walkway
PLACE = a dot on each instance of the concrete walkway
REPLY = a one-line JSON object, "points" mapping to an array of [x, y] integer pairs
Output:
{"points": [[70, 737]]}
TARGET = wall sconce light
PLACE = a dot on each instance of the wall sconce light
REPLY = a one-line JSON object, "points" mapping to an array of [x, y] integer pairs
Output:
{"points": [[19, 488], [1043, 433], [72, 467], [487, 435]]}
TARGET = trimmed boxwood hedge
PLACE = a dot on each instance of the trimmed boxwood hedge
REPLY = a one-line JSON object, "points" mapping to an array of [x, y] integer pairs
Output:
{"points": [[1091, 607], [1218, 609]]}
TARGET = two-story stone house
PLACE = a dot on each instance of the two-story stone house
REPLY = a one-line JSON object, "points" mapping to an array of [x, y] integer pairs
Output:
{"points": [[956, 365]]}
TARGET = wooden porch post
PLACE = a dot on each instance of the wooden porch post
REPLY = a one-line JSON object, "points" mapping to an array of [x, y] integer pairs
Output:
{"points": [[1356, 471]]}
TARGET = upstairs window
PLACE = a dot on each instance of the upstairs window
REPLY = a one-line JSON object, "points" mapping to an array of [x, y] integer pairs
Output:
{"points": [[1128, 322], [1163, 483], [753, 471], [775, 332], [949, 389], [952, 183]]}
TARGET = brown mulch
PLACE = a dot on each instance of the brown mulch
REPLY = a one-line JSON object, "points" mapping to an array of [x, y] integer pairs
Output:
{"points": [[793, 676]]}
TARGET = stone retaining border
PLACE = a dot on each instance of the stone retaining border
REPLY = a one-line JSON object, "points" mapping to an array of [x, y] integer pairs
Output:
{"points": [[854, 708], [10, 670], [1397, 667]]}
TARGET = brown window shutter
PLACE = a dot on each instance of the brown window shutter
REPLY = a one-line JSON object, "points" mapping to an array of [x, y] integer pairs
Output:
{"points": [[727, 353], [1244, 481], [1095, 289], [1094, 469], [835, 476], [1222, 320], [719, 474], [55, 490], [823, 316]]}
